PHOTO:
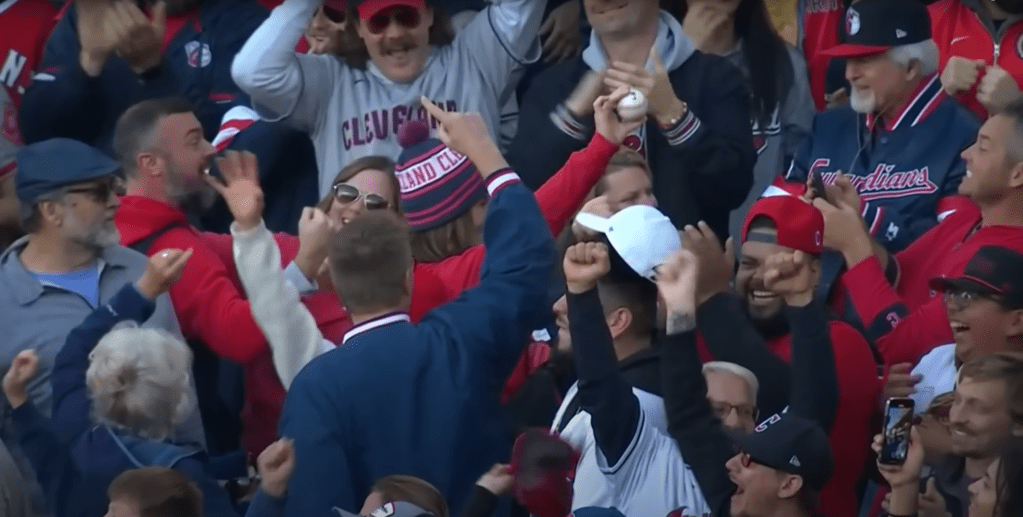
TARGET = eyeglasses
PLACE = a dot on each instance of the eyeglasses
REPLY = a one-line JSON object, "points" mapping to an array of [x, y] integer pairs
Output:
{"points": [[723, 409], [347, 194], [405, 16], [965, 298], [334, 15], [101, 191]]}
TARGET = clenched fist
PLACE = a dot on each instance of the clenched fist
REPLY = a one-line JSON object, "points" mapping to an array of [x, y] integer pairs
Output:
{"points": [[23, 368], [960, 74], [585, 264]]}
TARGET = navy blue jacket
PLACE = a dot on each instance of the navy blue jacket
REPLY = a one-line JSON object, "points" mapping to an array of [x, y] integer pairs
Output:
{"points": [[423, 400], [74, 460], [703, 178], [907, 169], [63, 101]]}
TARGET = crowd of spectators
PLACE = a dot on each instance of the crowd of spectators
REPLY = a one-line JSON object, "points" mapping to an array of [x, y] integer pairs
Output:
{"points": [[409, 258]]}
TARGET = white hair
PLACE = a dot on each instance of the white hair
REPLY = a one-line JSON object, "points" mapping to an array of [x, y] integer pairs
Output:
{"points": [[925, 53], [739, 371], [140, 381]]}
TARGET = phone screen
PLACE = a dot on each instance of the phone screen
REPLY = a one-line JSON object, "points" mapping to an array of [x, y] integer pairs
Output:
{"points": [[898, 421], [817, 184]]}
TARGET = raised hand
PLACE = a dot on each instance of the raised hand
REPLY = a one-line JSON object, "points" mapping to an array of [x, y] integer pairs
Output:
{"points": [[662, 102], [585, 264], [845, 230], [607, 121], [907, 474], [139, 39], [95, 40], [560, 32], [676, 287], [467, 134], [163, 269], [580, 101], [997, 89], [717, 265], [498, 480], [315, 230], [791, 275], [23, 368], [240, 187], [702, 21], [843, 190], [960, 74], [275, 464], [900, 382]]}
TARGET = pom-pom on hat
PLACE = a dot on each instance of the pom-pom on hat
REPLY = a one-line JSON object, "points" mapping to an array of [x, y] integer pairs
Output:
{"points": [[437, 184]]}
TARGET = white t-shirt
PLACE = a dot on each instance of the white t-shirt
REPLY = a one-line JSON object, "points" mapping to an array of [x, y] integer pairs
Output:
{"points": [[938, 371]]}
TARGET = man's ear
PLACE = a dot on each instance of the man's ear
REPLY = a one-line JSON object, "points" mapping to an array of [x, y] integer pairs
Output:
{"points": [[1016, 176], [618, 321], [149, 163], [913, 70], [790, 486], [1014, 329], [52, 211]]}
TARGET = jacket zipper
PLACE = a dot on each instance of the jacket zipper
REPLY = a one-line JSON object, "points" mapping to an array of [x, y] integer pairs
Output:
{"points": [[998, 52]]}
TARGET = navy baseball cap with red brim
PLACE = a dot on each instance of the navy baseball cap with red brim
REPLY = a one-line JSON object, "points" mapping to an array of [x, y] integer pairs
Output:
{"points": [[873, 27]]}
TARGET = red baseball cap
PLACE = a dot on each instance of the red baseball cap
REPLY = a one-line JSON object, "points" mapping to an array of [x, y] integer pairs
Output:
{"points": [[543, 465], [370, 8], [799, 225]]}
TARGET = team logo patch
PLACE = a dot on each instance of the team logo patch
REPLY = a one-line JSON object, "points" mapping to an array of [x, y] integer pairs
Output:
{"points": [[633, 142], [852, 22], [199, 55], [10, 123]]}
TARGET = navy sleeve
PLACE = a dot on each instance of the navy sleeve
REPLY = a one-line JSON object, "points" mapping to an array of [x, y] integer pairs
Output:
{"points": [[510, 300], [799, 169], [718, 152], [265, 505], [71, 402], [540, 147], [215, 501], [68, 493], [481, 503], [730, 336], [701, 440], [814, 389], [62, 100], [603, 393]]}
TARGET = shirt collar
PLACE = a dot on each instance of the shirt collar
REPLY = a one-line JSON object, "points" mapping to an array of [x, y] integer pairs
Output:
{"points": [[927, 95], [27, 288], [380, 321]]}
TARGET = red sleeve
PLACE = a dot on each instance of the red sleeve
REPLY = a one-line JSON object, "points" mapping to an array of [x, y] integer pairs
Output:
{"points": [[209, 304], [917, 334], [563, 194]]}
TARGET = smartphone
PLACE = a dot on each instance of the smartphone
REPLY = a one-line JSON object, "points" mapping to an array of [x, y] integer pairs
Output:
{"points": [[898, 420], [817, 184]]}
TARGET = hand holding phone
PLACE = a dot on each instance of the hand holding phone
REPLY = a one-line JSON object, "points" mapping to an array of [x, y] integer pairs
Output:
{"points": [[898, 421], [816, 184]]}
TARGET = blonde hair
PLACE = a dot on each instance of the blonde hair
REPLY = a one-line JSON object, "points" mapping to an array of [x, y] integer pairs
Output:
{"points": [[140, 381]]}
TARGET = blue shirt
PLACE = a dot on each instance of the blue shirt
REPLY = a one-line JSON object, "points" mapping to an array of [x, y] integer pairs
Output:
{"points": [[84, 281]]}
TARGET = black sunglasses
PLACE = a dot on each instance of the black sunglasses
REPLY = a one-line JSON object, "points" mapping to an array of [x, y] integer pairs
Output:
{"points": [[101, 191], [405, 16], [347, 194]]}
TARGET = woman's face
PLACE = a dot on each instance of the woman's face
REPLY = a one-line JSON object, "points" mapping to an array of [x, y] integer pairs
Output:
{"points": [[984, 493], [367, 181]]}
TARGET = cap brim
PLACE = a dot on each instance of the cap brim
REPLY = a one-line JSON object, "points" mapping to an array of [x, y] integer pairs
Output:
{"points": [[370, 8], [849, 50], [593, 222], [972, 285]]}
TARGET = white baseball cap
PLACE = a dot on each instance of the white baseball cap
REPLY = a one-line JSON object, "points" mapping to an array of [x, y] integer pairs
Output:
{"points": [[640, 234]]}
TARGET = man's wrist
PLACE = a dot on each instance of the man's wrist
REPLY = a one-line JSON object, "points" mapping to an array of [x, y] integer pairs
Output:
{"points": [[147, 289], [489, 161], [16, 401], [92, 62], [308, 264], [580, 287], [858, 251], [681, 319], [672, 114]]}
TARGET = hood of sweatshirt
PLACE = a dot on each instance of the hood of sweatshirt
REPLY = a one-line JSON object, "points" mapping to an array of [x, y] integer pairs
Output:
{"points": [[139, 217], [672, 44]]}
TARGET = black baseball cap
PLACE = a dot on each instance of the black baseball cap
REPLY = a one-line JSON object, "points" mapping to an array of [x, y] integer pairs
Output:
{"points": [[873, 27], [792, 444], [993, 270]]}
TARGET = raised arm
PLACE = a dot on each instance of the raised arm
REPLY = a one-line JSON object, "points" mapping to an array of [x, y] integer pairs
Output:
{"points": [[502, 39], [134, 302], [282, 84], [510, 299], [603, 393], [701, 440]]}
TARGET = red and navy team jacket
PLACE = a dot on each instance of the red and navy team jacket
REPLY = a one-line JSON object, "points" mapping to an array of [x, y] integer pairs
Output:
{"points": [[907, 168], [64, 102]]}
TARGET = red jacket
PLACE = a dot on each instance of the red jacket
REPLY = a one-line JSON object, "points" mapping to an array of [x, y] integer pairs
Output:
{"points": [[958, 31], [851, 431], [821, 19], [908, 321]]}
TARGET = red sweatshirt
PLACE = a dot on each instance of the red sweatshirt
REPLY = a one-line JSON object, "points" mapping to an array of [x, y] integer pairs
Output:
{"points": [[821, 20], [958, 31], [908, 321]]}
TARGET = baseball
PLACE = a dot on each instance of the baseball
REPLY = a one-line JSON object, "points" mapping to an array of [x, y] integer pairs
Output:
{"points": [[632, 106]]}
